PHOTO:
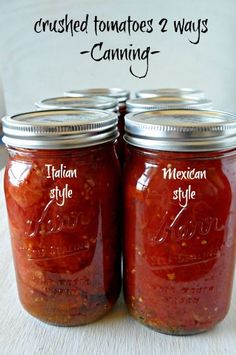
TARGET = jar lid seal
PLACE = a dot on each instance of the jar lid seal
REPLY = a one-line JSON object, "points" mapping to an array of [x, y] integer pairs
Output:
{"points": [[181, 92], [59, 129], [88, 102], [166, 102], [181, 130], [119, 94]]}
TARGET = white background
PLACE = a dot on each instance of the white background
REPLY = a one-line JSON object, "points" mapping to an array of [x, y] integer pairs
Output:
{"points": [[35, 66]]}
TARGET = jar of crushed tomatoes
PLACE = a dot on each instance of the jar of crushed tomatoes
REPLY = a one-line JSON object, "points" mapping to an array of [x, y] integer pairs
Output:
{"points": [[180, 218], [121, 96], [83, 102], [166, 102], [172, 92], [62, 188]]}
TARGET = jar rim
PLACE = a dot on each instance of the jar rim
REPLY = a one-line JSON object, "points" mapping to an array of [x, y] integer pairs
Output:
{"points": [[87, 102], [181, 130], [166, 102], [121, 95], [180, 92], [59, 129]]}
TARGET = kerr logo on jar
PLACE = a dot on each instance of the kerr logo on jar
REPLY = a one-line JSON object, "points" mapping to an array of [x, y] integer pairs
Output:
{"points": [[186, 224], [49, 223]]}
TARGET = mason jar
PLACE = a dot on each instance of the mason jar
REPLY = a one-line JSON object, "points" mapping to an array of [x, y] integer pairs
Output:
{"points": [[180, 218], [167, 102], [180, 92], [121, 96], [83, 102], [62, 189]]}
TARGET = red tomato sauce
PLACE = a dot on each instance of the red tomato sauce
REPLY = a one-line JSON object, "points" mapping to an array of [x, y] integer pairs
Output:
{"points": [[179, 238], [66, 249]]}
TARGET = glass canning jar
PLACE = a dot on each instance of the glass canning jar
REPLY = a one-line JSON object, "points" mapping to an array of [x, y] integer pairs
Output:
{"points": [[166, 102], [180, 218], [84, 102], [91, 102], [121, 96], [62, 188], [173, 92]]}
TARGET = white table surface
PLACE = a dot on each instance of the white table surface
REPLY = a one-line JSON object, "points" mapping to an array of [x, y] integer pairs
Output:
{"points": [[117, 333]]}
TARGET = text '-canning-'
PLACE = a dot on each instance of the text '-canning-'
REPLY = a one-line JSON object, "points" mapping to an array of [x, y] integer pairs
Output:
{"points": [[138, 57]]}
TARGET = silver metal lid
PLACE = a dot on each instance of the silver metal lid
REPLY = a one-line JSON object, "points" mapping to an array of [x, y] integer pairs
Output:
{"points": [[119, 94], [181, 130], [89, 102], [166, 102], [59, 129], [182, 92]]}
